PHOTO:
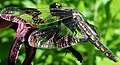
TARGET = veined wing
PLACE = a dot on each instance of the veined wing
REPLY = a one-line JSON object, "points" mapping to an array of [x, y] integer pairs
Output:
{"points": [[53, 37], [11, 10], [38, 16]]}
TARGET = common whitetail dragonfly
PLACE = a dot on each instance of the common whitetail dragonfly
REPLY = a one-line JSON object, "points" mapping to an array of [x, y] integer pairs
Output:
{"points": [[62, 29]]}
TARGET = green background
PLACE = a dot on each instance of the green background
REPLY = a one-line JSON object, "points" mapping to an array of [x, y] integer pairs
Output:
{"points": [[105, 14]]}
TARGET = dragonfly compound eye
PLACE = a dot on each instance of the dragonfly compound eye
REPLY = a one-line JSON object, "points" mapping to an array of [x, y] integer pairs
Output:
{"points": [[55, 5]]}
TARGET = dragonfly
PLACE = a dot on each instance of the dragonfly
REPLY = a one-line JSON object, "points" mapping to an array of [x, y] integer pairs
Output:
{"points": [[62, 23]]}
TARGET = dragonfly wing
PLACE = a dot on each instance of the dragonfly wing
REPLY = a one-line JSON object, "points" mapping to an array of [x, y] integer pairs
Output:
{"points": [[12, 10], [52, 38]]}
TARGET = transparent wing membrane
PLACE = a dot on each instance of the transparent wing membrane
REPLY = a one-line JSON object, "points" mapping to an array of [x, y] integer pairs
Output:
{"points": [[11, 10], [52, 37], [38, 17]]}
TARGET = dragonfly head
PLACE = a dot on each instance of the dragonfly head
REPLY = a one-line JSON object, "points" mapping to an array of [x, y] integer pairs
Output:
{"points": [[56, 9], [55, 5]]}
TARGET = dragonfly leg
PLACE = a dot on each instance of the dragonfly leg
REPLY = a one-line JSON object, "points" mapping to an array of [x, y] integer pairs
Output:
{"points": [[75, 53], [71, 49]]}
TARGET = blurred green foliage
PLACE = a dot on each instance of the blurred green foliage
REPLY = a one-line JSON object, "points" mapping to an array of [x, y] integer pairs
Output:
{"points": [[105, 14]]}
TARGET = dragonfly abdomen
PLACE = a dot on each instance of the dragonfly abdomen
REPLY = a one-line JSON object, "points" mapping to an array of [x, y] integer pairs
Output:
{"points": [[104, 49], [95, 41]]}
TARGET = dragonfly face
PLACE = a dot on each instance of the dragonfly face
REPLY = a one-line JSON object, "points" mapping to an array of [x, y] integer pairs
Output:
{"points": [[55, 5]]}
